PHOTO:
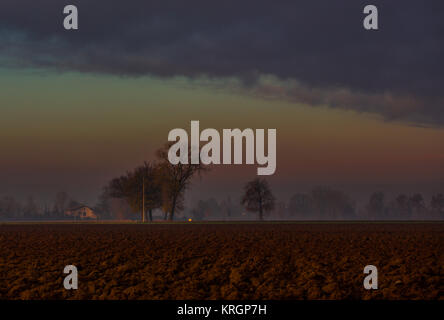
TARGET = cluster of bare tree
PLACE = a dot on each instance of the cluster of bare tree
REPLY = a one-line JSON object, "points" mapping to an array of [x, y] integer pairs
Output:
{"points": [[211, 209], [257, 199], [156, 185], [405, 207], [324, 203], [329, 204], [10, 208]]}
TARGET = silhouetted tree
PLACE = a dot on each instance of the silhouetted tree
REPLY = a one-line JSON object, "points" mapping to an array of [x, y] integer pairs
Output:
{"points": [[437, 205], [199, 212], [9, 207], [281, 210], [301, 205], [166, 203], [417, 205], [152, 187], [207, 208], [230, 209], [46, 211], [258, 197], [60, 204], [175, 179], [332, 204], [103, 206], [376, 205], [402, 207], [226, 207], [140, 188], [30, 210]]}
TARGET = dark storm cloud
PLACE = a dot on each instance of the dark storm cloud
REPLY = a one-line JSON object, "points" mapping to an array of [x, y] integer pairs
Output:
{"points": [[317, 51]]}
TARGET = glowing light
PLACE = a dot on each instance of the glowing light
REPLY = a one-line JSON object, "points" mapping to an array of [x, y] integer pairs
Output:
{"points": [[190, 219]]}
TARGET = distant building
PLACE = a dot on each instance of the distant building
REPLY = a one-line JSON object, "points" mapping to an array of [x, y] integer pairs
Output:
{"points": [[81, 212]]}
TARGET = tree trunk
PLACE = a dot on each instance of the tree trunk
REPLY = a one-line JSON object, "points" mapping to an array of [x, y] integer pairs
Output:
{"points": [[143, 199], [150, 212], [261, 216], [171, 214], [165, 215], [173, 207]]}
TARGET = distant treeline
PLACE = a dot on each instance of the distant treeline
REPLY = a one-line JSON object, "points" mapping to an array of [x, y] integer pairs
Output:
{"points": [[159, 187], [325, 203], [10, 208], [322, 203]]}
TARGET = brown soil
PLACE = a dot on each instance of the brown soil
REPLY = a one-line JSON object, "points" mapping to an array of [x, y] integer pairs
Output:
{"points": [[225, 261]]}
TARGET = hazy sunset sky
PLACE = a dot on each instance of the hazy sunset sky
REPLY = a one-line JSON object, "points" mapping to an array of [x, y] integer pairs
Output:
{"points": [[351, 107]]}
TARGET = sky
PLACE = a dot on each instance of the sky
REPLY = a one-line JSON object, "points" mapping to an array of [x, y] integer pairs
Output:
{"points": [[358, 109]]}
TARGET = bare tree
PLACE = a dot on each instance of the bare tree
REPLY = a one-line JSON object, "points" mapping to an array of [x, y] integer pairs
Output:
{"points": [[437, 205], [30, 210], [332, 204], [417, 205], [60, 204], [166, 196], [226, 207], [9, 207], [301, 205], [258, 197], [151, 188], [103, 207], [139, 187], [176, 179], [402, 206], [376, 205]]}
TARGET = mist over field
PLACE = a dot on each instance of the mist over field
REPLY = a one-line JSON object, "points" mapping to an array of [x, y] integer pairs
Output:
{"points": [[358, 114]]}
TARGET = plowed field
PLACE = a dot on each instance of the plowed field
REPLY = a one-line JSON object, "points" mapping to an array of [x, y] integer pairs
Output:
{"points": [[222, 261]]}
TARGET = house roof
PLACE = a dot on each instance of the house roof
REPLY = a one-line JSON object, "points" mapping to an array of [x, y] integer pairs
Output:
{"points": [[80, 207]]}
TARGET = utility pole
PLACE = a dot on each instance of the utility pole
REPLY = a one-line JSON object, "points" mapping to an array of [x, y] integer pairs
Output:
{"points": [[143, 197]]}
